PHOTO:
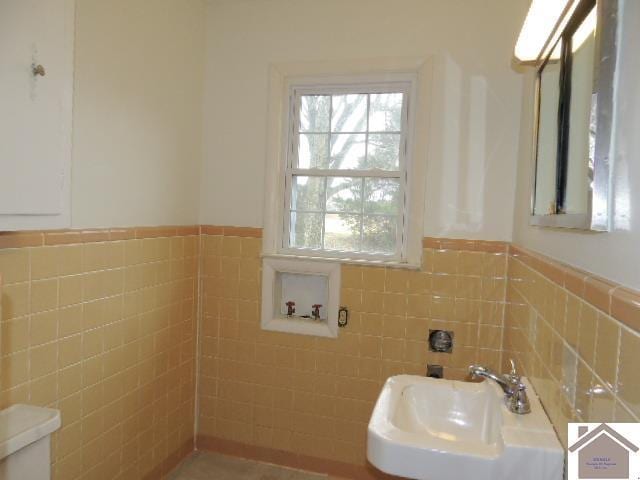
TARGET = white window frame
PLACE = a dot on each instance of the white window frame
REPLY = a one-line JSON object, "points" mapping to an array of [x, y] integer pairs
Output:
{"points": [[412, 76], [296, 92]]}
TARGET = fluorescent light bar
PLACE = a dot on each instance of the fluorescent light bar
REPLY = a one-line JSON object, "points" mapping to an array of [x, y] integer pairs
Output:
{"points": [[539, 25]]}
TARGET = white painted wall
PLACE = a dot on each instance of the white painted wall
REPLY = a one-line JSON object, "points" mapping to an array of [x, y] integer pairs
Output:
{"points": [[614, 255], [471, 167], [137, 112]]}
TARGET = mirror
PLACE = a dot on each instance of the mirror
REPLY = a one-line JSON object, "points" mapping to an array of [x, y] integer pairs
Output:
{"points": [[547, 140], [581, 122], [573, 127]]}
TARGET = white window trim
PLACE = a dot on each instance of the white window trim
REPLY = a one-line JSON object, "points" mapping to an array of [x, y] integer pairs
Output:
{"points": [[282, 77]]}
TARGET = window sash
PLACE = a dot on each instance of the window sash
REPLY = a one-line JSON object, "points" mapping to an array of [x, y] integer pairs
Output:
{"points": [[348, 132], [400, 174], [318, 172]]}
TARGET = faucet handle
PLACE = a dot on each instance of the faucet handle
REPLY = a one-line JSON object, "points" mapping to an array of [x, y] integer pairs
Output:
{"points": [[519, 401], [513, 375]]}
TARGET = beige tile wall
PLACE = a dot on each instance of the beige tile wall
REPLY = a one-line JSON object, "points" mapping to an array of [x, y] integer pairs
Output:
{"points": [[560, 327], [102, 325], [104, 331], [313, 396]]}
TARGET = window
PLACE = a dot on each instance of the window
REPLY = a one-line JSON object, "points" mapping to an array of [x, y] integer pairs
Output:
{"points": [[346, 171]]}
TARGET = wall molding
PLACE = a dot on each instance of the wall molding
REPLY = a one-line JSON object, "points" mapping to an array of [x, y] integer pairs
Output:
{"points": [[614, 299], [230, 231], [621, 303], [39, 238], [461, 244]]}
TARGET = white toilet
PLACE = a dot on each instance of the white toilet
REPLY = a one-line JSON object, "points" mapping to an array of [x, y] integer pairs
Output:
{"points": [[25, 442]]}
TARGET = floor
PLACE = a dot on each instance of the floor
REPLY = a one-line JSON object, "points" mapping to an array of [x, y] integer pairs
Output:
{"points": [[206, 465]]}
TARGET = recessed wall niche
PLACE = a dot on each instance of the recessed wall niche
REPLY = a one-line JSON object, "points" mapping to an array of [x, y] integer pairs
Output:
{"points": [[300, 296]]}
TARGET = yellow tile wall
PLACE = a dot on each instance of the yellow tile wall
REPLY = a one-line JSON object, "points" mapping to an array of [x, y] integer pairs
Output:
{"points": [[313, 396], [105, 332], [582, 362]]}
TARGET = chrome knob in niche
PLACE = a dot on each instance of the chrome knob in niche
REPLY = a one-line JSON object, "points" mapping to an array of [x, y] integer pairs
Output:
{"points": [[441, 341]]}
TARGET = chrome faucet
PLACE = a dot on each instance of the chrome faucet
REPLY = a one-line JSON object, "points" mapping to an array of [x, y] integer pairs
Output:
{"points": [[515, 392]]}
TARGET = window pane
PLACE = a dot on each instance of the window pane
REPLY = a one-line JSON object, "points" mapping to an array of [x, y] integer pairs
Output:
{"points": [[349, 113], [384, 151], [379, 234], [347, 132], [344, 194], [382, 195], [307, 193], [314, 113], [385, 112], [313, 151], [342, 232], [305, 230], [347, 151]]}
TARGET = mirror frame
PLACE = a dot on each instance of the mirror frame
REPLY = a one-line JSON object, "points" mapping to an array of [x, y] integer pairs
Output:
{"points": [[597, 217]]}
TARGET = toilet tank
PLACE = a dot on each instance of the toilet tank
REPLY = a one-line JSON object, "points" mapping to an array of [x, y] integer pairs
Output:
{"points": [[25, 442]]}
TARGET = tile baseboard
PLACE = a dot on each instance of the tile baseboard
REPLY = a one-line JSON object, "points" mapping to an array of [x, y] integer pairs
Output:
{"points": [[335, 469], [171, 462]]}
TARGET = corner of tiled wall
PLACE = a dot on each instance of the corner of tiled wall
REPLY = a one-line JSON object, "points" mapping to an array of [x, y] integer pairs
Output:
{"points": [[580, 358]]}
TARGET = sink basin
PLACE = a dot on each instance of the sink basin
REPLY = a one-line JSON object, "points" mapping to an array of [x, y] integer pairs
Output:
{"points": [[434, 429]]}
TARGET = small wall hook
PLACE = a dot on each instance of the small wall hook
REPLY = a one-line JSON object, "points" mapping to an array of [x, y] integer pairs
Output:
{"points": [[38, 70]]}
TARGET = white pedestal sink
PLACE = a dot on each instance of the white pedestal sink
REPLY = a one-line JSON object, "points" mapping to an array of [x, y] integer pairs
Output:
{"points": [[434, 429]]}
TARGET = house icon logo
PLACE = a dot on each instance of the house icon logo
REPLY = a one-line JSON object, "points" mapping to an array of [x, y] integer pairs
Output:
{"points": [[604, 451]]}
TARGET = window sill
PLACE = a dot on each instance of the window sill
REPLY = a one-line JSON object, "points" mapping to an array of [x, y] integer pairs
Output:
{"points": [[347, 261]]}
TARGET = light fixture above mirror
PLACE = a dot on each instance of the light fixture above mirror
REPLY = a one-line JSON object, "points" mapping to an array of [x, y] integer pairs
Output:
{"points": [[539, 25]]}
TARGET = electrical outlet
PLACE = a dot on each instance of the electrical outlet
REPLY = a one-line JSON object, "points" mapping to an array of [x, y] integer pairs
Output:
{"points": [[343, 317]]}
